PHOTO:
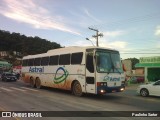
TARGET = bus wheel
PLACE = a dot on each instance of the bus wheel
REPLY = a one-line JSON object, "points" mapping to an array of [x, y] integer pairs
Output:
{"points": [[76, 89], [38, 83], [32, 83]]}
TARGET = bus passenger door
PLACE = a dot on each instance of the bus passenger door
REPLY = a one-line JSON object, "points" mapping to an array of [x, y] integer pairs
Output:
{"points": [[90, 73]]}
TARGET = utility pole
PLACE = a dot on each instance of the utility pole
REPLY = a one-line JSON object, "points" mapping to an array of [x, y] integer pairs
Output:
{"points": [[97, 34]]}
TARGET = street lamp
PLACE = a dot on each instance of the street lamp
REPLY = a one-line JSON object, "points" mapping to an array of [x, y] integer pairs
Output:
{"points": [[90, 41]]}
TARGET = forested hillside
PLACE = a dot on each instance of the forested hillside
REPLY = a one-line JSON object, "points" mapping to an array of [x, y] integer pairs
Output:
{"points": [[25, 45]]}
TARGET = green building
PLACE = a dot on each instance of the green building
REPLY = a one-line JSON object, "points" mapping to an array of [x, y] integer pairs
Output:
{"points": [[150, 67]]}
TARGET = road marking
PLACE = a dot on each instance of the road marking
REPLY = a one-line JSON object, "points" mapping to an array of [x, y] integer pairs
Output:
{"points": [[18, 89], [29, 89], [6, 89]]}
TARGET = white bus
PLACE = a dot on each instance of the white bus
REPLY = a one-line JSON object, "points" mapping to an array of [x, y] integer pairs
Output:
{"points": [[93, 70]]}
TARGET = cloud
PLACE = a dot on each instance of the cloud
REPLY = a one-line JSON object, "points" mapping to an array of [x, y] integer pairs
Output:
{"points": [[158, 45], [84, 18], [118, 44], [83, 43], [114, 33], [109, 42], [157, 32], [114, 45], [90, 15], [26, 11]]}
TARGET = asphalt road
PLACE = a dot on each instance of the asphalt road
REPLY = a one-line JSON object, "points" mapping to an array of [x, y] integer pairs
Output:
{"points": [[18, 96]]}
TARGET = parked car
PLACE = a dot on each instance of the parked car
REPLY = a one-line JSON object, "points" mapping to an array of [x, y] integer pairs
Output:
{"points": [[8, 77], [137, 79], [133, 79], [149, 89], [140, 79]]}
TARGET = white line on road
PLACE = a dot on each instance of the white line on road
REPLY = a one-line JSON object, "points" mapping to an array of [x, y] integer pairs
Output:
{"points": [[18, 89], [6, 89], [29, 88]]}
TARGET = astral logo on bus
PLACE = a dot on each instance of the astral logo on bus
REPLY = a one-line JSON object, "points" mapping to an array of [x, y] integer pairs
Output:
{"points": [[35, 69], [58, 79], [108, 78]]}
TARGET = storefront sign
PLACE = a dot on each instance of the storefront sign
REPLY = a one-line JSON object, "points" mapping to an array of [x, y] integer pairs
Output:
{"points": [[150, 59]]}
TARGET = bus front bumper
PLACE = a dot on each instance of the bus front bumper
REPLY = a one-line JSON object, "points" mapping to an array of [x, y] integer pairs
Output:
{"points": [[106, 89]]}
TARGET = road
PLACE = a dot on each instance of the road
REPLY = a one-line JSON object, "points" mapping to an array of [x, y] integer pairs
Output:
{"points": [[18, 96]]}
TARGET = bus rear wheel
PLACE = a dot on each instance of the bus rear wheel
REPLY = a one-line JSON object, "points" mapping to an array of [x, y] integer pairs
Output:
{"points": [[38, 83], [32, 83], [76, 89]]}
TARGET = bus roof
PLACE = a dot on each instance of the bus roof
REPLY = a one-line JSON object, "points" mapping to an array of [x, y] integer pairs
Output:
{"points": [[75, 48], [65, 50]]}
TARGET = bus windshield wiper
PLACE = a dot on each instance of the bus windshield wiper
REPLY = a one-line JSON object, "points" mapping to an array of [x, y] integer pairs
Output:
{"points": [[112, 67], [109, 71], [116, 69]]}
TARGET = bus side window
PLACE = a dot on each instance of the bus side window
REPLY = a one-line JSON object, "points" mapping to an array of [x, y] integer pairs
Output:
{"points": [[54, 60], [25, 62], [30, 62], [76, 58], [44, 61], [64, 59], [89, 62], [37, 61]]}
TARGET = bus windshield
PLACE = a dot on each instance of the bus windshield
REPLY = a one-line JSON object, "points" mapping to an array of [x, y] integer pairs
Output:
{"points": [[108, 62]]}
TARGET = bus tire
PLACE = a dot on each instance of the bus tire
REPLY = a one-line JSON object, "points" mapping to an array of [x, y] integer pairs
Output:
{"points": [[77, 89], [38, 83], [32, 82]]}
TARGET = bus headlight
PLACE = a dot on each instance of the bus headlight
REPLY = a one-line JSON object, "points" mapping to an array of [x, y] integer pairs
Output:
{"points": [[102, 91], [122, 89]]}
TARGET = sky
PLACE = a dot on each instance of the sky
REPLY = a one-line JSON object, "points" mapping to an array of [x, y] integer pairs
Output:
{"points": [[130, 26]]}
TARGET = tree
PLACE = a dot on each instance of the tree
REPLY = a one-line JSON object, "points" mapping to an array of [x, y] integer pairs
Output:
{"points": [[23, 44]]}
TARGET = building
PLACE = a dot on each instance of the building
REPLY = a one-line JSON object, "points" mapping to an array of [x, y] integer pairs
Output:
{"points": [[149, 67], [5, 66], [4, 54], [127, 67]]}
